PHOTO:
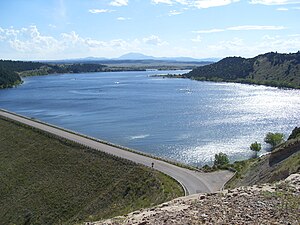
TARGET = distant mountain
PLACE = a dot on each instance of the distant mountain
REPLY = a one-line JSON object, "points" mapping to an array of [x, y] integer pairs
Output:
{"points": [[273, 69], [94, 58], [135, 56], [140, 56], [78, 60]]}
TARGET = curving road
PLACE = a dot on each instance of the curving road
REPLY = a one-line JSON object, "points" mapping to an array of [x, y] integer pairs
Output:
{"points": [[192, 181]]}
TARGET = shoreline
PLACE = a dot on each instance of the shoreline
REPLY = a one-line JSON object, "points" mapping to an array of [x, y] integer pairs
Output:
{"points": [[192, 181], [18, 83], [248, 82]]}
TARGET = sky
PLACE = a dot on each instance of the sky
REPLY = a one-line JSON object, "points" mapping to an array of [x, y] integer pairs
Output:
{"points": [[66, 29]]}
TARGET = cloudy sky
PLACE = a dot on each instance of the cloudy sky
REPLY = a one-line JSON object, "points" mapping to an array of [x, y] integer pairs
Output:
{"points": [[59, 29]]}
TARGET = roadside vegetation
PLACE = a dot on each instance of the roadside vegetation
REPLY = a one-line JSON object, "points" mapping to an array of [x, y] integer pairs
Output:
{"points": [[256, 147], [47, 180], [283, 160], [274, 139]]}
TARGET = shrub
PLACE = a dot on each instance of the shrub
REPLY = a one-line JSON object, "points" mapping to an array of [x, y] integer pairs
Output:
{"points": [[221, 159], [274, 139], [256, 147]]}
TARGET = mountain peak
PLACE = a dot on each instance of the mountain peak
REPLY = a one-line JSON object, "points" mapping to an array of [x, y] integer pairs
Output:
{"points": [[135, 56]]}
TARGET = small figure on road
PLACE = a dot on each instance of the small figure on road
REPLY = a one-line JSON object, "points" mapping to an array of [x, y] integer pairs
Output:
{"points": [[152, 164]]}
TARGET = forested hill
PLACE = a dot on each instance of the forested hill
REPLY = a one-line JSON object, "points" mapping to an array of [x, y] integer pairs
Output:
{"points": [[273, 69], [11, 71], [8, 78]]}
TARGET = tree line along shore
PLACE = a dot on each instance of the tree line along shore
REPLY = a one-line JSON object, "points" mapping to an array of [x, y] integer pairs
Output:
{"points": [[11, 72], [271, 69]]}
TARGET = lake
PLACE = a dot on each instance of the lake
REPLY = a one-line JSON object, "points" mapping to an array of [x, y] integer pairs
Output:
{"points": [[177, 119]]}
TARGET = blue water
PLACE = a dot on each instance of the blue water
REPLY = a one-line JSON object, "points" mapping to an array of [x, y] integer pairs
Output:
{"points": [[178, 119]]}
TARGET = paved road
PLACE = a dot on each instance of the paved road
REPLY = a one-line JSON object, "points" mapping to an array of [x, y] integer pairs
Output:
{"points": [[193, 182]]}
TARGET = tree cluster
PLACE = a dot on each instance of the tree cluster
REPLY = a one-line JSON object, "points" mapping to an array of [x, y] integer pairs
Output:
{"points": [[274, 139], [8, 78], [221, 159]]}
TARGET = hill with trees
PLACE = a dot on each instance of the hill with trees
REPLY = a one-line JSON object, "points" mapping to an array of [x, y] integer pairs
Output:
{"points": [[272, 69], [8, 78], [12, 71]]}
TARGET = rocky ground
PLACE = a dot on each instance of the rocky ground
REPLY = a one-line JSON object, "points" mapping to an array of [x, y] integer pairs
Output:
{"points": [[277, 203]]}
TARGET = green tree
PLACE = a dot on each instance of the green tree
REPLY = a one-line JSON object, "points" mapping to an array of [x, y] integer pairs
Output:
{"points": [[221, 159], [274, 139], [256, 147]]}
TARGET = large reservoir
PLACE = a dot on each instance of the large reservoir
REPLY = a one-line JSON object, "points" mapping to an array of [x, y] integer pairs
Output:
{"points": [[177, 119]]}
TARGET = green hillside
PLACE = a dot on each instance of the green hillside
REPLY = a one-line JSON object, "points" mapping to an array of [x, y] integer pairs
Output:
{"points": [[46, 180], [12, 71], [273, 69], [279, 164], [8, 78]]}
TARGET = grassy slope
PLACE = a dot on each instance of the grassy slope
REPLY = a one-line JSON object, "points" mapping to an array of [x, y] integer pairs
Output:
{"points": [[278, 165], [49, 181]]}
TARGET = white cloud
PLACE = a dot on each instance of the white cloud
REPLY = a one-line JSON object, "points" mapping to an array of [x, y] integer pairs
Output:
{"points": [[153, 40], [169, 2], [203, 4], [197, 39], [52, 26], [239, 47], [234, 45], [294, 35], [200, 4], [241, 28], [209, 31], [28, 40], [29, 43], [174, 13], [95, 11], [274, 2], [282, 9], [183, 2], [255, 27], [123, 18], [119, 3]]}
